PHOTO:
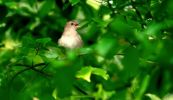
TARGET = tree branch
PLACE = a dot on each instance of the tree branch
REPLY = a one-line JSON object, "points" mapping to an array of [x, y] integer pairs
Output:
{"points": [[33, 67]]}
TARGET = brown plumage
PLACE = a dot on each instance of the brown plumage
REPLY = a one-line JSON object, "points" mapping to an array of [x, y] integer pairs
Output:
{"points": [[70, 38]]}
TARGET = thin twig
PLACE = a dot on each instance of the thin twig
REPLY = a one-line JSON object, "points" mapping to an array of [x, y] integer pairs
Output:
{"points": [[33, 67], [37, 48], [143, 24]]}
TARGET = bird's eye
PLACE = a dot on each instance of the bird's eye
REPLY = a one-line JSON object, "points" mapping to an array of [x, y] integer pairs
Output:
{"points": [[72, 23]]}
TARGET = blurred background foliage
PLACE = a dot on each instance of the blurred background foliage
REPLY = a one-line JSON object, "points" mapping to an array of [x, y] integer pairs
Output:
{"points": [[127, 53]]}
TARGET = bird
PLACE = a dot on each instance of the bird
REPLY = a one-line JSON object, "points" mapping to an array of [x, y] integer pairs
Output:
{"points": [[70, 38]]}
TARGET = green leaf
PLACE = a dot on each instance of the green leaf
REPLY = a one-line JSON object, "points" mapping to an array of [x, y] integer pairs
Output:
{"points": [[74, 2], [106, 46], [102, 94], [152, 96], [130, 62], [52, 53], [170, 7], [12, 4], [100, 72], [43, 41], [85, 73], [64, 80], [143, 87], [104, 10], [119, 25], [46, 7]]}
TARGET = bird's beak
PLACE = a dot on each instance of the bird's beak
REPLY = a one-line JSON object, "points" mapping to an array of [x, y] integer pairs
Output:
{"points": [[76, 25]]}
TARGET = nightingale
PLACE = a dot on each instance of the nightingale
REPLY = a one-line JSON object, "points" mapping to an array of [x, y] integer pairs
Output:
{"points": [[70, 37]]}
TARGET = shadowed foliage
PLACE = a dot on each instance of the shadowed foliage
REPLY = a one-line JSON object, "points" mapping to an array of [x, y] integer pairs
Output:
{"points": [[127, 52]]}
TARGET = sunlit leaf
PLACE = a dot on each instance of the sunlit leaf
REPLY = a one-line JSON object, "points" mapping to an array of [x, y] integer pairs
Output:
{"points": [[100, 72], [85, 73], [152, 96]]}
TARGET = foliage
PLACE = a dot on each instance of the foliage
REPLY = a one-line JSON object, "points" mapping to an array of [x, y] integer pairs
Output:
{"points": [[127, 52]]}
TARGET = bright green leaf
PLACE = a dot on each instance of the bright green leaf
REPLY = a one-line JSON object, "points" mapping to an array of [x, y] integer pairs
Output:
{"points": [[152, 96], [85, 73], [100, 72]]}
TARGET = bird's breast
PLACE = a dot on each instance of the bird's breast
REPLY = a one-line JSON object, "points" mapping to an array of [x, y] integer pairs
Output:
{"points": [[70, 41]]}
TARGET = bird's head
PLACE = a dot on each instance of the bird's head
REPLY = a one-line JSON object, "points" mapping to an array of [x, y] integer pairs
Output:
{"points": [[72, 24]]}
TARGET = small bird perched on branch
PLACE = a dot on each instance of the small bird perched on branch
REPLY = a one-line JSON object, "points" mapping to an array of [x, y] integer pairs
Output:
{"points": [[70, 37]]}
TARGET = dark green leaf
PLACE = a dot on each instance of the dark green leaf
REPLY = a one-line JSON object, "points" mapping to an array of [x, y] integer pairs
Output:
{"points": [[74, 2], [46, 7]]}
